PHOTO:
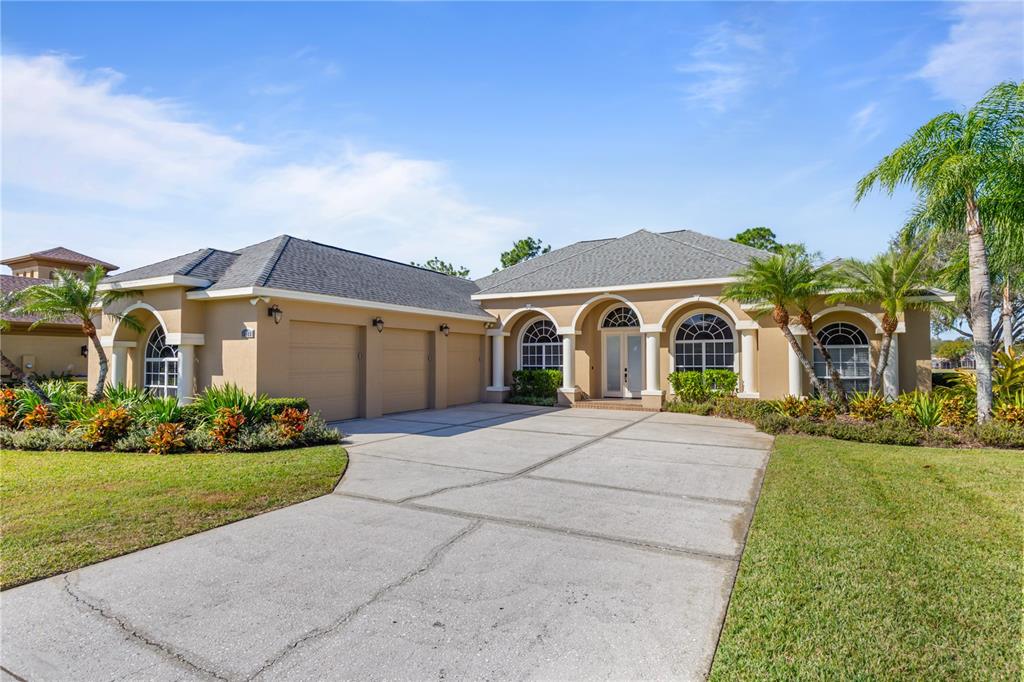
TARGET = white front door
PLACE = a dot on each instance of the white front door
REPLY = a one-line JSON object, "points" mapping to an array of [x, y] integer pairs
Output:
{"points": [[623, 364]]}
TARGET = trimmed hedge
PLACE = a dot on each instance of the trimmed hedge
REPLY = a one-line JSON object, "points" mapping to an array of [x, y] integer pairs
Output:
{"points": [[536, 383], [701, 386]]}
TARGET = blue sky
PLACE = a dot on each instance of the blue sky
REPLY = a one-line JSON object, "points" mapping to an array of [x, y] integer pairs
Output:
{"points": [[415, 130]]}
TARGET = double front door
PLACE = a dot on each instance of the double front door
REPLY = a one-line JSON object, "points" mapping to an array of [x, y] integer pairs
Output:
{"points": [[623, 370]]}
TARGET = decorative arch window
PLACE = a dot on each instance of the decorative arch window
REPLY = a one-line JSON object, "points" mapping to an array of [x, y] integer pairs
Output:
{"points": [[851, 355], [704, 341], [623, 316], [541, 348], [161, 370]]}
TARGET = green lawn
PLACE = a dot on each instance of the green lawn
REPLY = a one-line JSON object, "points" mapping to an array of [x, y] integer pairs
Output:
{"points": [[880, 562], [63, 510]]}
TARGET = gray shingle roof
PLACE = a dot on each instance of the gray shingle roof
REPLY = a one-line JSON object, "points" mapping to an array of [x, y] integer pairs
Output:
{"points": [[10, 284], [293, 264], [205, 263], [63, 255], [639, 258]]}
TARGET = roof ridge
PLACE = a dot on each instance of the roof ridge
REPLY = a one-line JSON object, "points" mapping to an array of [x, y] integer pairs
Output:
{"points": [[604, 242], [699, 247], [268, 267], [195, 264]]}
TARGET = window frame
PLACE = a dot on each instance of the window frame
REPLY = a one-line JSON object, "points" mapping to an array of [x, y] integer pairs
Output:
{"points": [[546, 348], [729, 345], [161, 367], [858, 382]]}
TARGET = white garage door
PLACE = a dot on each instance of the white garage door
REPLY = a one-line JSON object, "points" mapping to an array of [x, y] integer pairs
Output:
{"points": [[406, 375], [324, 367], [464, 368]]}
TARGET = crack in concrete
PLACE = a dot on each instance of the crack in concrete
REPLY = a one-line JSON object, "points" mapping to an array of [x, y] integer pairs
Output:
{"points": [[164, 649], [431, 560], [17, 677], [440, 426], [532, 467], [640, 491]]}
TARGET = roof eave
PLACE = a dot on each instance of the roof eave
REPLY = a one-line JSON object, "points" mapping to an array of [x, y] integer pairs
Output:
{"points": [[161, 282], [288, 294], [484, 296]]}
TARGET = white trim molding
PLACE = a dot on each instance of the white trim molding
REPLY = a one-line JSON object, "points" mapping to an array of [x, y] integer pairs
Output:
{"points": [[604, 297], [109, 342], [527, 309], [901, 327], [288, 295], [155, 283], [605, 290], [707, 300], [185, 339], [139, 305]]}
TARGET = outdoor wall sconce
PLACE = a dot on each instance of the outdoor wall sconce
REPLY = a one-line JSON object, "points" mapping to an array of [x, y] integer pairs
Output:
{"points": [[275, 312], [445, 328], [378, 324], [85, 351]]}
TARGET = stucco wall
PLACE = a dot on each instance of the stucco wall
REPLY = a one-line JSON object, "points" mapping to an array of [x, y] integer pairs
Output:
{"points": [[54, 354]]}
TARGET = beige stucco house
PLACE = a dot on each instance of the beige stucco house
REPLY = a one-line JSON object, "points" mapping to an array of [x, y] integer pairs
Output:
{"points": [[364, 336], [54, 348]]}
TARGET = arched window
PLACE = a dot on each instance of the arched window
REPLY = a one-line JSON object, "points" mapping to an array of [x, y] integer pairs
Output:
{"points": [[704, 341], [541, 347], [161, 375], [623, 316], [850, 352]]}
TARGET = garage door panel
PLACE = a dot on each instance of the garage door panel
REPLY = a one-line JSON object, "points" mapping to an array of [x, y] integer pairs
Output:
{"points": [[324, 366], [464, 369], [406, 372]]}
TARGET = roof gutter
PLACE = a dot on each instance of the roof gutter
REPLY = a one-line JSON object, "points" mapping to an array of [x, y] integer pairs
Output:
{"points": [[289, 295], [155, 283]]}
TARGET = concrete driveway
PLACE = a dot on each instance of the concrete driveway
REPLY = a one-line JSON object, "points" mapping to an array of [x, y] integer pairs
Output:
{"points": [[486, 541]]}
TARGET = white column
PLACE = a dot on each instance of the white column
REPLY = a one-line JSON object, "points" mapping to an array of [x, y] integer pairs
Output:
{"points": [[652, 384], [118, 365], [796, 373], [568, 362], [748, 351], [891, 380], [498, 362], [186, 364]]}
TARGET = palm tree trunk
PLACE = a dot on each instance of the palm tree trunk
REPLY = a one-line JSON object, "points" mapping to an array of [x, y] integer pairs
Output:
{"points": [[833, 373], [808, 367], [101, 356], [18, 375], [1007, 315], [981, 308], [878, 373]]}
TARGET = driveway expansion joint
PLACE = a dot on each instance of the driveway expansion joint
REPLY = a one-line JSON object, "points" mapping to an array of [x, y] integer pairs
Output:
{"points": [[134, 633], [639, 491], [433, 557]]}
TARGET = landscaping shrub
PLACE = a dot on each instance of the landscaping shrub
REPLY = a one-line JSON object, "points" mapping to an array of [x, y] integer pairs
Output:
{"points": [[279, 405], [999, 434], [957, 411], [291, 422], [889, 432], [1011, 411], [199, 439], [159, 411], [193, 415], [227, 423], [8, 408], [134, 440], [107, 425], [774, 423], [812, 408], [532, 400], [869, 407], [536, 383], [690, 407], [927, 409], [697, 387], [166, 438], [44, 439], [39, 417], [125, 396], [317, 433]]}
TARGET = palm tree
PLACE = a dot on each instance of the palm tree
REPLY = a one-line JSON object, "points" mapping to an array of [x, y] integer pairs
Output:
{"points": [[774, 284], [70, 296], [9, 306], [962, 161], [823, 280], [893, 280]]}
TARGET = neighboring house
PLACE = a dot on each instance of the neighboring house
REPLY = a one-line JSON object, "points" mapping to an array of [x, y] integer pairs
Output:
{"points": [[965, 362], [364, 336], [49, 349]]}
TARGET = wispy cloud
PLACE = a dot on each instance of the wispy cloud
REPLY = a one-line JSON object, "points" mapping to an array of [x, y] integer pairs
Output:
{"points": [[80, 154], [985, 46], [865, 124], [275, 89], [725, 64]]}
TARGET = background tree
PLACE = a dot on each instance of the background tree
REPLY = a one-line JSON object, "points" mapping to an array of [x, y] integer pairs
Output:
{"points": [[69, 296], [772, 285], [438, 265], [953, 349], [894, 281], [759, 238], [966, 168], [524, 249], [9, 307]]}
